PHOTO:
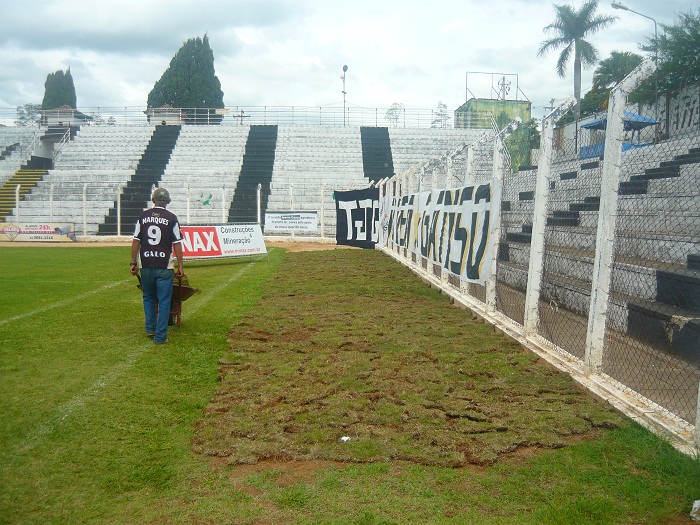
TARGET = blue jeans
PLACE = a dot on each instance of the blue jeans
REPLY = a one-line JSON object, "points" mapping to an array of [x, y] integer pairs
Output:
{"points": [[157, 286]]}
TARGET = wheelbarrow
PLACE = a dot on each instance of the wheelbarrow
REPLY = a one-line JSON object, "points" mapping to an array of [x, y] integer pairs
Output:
{"points": [[181, 292]]}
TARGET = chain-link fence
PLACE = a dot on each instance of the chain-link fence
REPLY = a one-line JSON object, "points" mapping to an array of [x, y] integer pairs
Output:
{"points": [[598, 250], [652, 343]]}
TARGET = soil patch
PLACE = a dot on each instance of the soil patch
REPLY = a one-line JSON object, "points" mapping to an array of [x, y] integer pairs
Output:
{"points": [[350, 358]]}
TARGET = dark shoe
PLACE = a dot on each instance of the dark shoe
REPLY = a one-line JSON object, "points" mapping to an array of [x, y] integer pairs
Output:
{"points": [[161, 342], [151, 335]]}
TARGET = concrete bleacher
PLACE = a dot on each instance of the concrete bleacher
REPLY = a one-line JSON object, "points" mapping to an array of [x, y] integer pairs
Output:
{"points": [[104, 148], [325, 153], [658, 235], [412, 146], [16, 144], [310, 164], [657, 215], [203, 172], [98, 162], [58, 197]]}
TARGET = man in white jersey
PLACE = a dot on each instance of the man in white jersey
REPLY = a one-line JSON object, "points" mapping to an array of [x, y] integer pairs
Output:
{"points": [[156, 236]]}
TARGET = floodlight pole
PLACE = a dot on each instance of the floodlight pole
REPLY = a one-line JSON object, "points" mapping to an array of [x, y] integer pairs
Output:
{"points": [[345, 69], [622, 7]]}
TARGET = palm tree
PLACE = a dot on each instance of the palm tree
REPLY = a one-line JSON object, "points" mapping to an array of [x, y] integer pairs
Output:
{"points": [[571, 27], [611, 71]]}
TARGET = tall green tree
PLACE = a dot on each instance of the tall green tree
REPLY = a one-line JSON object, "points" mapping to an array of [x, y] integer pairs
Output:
{"points": [[190, 82], [28, 115], [678, 49], [570, 30], [394, 113], [441, 117], [59, 90], [609, 73], [521, 142]]}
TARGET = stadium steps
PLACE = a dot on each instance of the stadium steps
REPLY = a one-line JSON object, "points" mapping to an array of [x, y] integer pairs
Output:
{"points": [[672, 320], [664, 312], [522, 237], [26, 179], [257, 167], [376, 153], [137, 193], [639, 184], [8, 150]]}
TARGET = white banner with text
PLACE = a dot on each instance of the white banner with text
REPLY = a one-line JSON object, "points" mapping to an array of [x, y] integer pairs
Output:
{"points": [[452, 228], [37, 232], [294, 221], [228, 240]]}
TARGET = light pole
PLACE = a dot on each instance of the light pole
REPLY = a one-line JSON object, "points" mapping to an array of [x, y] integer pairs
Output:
{"points": [[345, 69], [618, 5]]}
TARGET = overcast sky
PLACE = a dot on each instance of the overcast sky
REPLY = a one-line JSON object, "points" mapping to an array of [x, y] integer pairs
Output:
{"points": [[291, 52]]}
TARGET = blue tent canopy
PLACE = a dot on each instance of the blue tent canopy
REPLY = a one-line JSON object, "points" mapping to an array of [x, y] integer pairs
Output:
{"points": [[632, 122]]}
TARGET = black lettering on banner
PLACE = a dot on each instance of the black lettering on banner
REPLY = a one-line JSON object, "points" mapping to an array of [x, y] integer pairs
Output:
{"points": [[408, 223], [357, 217], [402, 222], [475, 261], [451, 228], [461, 232], [460, 237], [390, 221], [432, 235], [424, 233]]}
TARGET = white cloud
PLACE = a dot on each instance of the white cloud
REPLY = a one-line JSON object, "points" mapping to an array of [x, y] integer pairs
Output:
{"points": [[290, 52]]}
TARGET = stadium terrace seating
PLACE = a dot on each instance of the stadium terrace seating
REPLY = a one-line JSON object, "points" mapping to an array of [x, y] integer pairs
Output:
{"points": [[16, 145], [657, 243], [58, 197], [310, 163], [213, 172], [377, 160], [410, 147], [136, 195], [203, 171], [213, 178], [104, 148], [256, 172]]}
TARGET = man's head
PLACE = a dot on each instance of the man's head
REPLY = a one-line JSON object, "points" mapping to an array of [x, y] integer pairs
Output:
{"points": [[161, 197]]}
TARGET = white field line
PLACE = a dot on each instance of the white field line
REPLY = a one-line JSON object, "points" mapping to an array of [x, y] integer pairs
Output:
{"points": [[78, 401], [204, 300], [62, 303]]}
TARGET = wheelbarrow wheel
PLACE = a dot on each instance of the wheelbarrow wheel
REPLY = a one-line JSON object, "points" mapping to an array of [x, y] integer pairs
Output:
{"points": [[176, 305]]}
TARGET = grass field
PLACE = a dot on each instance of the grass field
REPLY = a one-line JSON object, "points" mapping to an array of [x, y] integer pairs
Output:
{"points": [[240, 418]]}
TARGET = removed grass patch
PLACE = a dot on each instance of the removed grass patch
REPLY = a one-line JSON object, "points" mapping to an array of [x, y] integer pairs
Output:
{"points": [[375, 355]]}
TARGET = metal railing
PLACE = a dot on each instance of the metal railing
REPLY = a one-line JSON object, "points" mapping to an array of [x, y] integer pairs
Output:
{"points": [[245, 115]]}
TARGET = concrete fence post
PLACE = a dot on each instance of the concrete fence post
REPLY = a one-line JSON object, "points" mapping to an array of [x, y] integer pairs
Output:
{"points": [[291, 203], [223, 204], [85, 187], [539, 219], [498, 168], [51, 191], [119, 211], [323, 210], [188, 203], [603, 259]]}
